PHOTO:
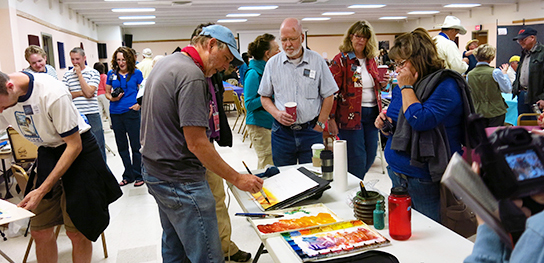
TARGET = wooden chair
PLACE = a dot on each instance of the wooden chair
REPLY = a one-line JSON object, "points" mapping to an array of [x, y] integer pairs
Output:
{"points": [[241, 112], [528, 122], [227, 99], [24, 152], [22, 180]]}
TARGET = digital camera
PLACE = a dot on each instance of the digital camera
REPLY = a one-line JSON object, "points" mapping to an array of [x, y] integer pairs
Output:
{"points": [[512, 159], [116, 92]]}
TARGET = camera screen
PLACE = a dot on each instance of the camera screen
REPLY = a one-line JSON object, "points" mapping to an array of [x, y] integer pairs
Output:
{"points": [[525, 165]]}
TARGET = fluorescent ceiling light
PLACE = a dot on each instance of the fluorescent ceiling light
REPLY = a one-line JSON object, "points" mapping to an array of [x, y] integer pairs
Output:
{"points": [[127, 10], [243, 15], [462, 5], [338, 13], [231, 20], [258, 7], [366, 6], [137, 17], [140, 23], [316, 18], [392, 17], [423, 12]]}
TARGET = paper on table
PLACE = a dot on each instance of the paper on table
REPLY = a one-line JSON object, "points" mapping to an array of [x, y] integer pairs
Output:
{"points": [[285, 185]]}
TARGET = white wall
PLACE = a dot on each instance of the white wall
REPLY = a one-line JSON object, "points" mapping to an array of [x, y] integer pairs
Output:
{"points": [[489, 18], [58, 15]]}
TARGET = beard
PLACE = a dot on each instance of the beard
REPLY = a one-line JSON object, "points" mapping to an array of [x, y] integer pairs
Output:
{"points": [[293, 52]]}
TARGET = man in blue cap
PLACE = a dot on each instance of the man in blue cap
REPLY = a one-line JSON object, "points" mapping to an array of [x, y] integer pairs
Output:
{"points": [[176, 109], [529, 83]]}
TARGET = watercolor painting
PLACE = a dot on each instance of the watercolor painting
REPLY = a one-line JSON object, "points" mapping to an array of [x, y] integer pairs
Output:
{"points": [[332, 240]]}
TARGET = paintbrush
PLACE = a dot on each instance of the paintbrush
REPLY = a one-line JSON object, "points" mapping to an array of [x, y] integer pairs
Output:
{"points": [[262, 192], [363, 189]]}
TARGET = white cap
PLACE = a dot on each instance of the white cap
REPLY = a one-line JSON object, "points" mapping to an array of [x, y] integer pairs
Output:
{"points": [[453, 22], [147, 52]]}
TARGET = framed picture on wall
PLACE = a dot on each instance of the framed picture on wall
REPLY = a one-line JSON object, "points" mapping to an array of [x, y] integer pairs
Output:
{"points": [[62, 59], [34, 40]]}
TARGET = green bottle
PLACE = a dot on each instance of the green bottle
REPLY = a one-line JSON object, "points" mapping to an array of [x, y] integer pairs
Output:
{"points": [[379, 215]]}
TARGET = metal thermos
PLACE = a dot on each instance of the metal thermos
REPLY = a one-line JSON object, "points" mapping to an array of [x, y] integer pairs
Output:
{"points": [[326, 164]]}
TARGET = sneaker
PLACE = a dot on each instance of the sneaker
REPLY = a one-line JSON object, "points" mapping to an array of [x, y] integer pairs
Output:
{"points": [[240, 256]]}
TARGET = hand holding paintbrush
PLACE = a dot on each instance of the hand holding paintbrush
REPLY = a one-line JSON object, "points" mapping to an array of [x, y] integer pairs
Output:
{"points": [[262, 191]]}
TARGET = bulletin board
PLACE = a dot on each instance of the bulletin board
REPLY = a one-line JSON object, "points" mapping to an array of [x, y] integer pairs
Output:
{"points": [[507, 47]]}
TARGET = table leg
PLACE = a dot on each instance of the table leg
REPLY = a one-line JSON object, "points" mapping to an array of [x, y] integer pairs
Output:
{"points": [[261, 251], [6, 257], [8, 194]]}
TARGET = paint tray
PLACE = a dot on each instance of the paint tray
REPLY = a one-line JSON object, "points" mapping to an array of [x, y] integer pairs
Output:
{"points": [[300, 218], [333, 240]]}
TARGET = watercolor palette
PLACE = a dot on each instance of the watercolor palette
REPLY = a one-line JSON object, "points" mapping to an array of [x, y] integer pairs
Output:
{"points": [[295, 219], [333, 240]]}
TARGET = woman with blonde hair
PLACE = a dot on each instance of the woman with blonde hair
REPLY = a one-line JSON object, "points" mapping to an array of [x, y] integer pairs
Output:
{"points": [[357, 102], [486, 84], [428, 110]]}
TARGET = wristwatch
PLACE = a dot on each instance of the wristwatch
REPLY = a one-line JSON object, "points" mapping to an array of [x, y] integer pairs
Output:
{"points": [[407, 87], [322, 125]]}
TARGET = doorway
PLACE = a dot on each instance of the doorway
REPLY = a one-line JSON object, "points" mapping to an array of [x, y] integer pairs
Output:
{"points": [[47, 41], [481, 35]]}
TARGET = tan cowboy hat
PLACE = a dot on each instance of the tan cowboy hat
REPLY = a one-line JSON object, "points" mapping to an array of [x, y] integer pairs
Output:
{"points": [[470, 42], [453, 22]]}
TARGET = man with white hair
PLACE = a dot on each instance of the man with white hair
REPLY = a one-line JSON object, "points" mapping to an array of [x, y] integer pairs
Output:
{"points": [[298, 75], [147, 63], [447, 49]]}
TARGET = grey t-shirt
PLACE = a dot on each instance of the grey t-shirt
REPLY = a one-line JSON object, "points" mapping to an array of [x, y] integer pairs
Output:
{"points": [[176, 95]]}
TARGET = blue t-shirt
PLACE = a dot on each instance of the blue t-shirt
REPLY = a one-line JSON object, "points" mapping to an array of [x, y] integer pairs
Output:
{"points": [[444, 106], [130, 89]]}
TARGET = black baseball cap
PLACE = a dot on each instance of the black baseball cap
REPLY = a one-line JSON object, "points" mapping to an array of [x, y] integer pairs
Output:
{"points": [[525, 32]]}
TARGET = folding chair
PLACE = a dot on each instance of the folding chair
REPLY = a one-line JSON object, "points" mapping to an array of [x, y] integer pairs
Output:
{"points": [[523, 121], [241, 111]]}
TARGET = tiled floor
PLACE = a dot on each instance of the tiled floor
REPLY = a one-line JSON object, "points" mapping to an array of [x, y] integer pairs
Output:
{"points": [[134, 233]]}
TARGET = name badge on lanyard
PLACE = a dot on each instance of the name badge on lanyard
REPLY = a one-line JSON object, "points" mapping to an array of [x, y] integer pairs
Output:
{"points": [[215, 116]]}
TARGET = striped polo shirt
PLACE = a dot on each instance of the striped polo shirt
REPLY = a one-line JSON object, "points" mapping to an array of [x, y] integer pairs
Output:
{"points": [[84, 105]]}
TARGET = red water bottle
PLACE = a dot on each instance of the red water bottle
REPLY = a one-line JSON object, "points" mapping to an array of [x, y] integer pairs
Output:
{"points": [[400, 213]]}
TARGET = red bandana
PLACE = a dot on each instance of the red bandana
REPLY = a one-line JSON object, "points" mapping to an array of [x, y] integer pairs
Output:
{"points": [[191, 51]]}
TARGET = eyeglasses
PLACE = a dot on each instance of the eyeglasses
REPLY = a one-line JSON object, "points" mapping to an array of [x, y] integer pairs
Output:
{"points": [[400, 64], [521, 40], [359, 37], [293, 39]]}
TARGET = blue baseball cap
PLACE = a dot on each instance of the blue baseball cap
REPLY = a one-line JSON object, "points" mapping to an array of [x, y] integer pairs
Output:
{"points": [[224, 35]]}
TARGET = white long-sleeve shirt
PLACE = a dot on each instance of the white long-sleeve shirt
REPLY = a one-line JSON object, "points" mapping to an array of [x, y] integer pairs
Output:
{"points": [[448, 51]]}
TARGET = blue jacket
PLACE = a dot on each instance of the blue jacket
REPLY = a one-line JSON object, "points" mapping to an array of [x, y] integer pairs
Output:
{"points": [[489, 248], [444, 106], [256, 114]]}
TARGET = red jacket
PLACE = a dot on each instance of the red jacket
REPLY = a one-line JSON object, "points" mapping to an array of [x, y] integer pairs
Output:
{"points": [[347, 102]]}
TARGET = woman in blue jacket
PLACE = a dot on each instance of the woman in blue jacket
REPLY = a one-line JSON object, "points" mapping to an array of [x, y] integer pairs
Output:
{"points": [[258, 120], [428, 110], [121, 89]]}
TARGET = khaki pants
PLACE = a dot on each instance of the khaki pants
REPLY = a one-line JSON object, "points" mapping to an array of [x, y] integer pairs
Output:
{"points": [[223, 219], [261, 138]]}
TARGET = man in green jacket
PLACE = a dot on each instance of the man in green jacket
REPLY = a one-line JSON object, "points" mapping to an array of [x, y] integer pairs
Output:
{"points": [[529, 83]]}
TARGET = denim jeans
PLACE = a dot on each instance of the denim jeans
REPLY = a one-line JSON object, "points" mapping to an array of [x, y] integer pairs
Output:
{"points": [[424, 193], [290, 146], [522, 107], [123, 124], [189, 223], [96, 128], [362, 144]]}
